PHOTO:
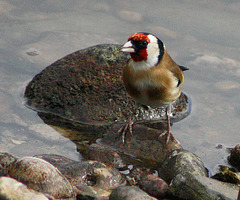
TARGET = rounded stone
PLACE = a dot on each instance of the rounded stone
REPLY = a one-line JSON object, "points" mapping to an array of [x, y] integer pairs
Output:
{"points": [[86, 87], [41, 176], [154, 185], [11, 189], [182, 162], [89, 178], [129, 193]]}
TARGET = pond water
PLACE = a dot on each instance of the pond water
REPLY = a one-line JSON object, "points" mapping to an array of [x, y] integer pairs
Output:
{"points": [[202, 35]]}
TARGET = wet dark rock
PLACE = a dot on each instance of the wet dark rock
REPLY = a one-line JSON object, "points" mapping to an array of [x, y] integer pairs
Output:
{"points": [[96, 176], [201, 187], [143, 148], [184, 163], [105, 155], [90, 178], [40, 176], [227, 175], [86, 87], [11, 189], [188, 178], [129, 193], [234, 158], [57, 161], [154, 185], [135, 175]]}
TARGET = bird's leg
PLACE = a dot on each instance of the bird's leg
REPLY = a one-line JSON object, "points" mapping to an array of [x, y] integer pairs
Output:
{"points": [[128, 127], [168, 112], [168, 132]]}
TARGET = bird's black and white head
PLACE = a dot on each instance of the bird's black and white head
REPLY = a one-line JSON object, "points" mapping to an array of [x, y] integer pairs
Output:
{"points": [[146, 49]]}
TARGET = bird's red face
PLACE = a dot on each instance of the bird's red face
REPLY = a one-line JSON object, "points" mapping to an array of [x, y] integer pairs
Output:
{"points": [[137, 46]]}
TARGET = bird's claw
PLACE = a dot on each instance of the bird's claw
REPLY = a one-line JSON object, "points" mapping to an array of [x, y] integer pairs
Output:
{"points": [[128, 127], [166, 134]]}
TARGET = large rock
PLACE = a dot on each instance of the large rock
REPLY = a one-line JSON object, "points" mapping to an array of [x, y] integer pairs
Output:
{"points": [[91, 179], [200, 187], [41, 176], [182, 162], [143, 148], [86, 87], [188, 178]]}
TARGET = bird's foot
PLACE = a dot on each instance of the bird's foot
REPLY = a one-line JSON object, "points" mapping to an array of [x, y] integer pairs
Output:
{"points": [[128, 127], [167, 135]]}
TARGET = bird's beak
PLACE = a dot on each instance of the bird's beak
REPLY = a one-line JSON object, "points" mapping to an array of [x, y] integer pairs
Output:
{"points": [[128, 47]]}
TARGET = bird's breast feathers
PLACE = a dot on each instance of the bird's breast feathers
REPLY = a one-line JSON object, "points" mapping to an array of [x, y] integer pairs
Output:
{"points": [[152, 86]]}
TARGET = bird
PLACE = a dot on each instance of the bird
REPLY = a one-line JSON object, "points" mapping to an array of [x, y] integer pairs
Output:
{"points": [[151, 77]]}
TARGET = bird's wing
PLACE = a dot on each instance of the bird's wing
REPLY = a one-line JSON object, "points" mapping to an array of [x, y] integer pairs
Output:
{"points": [[183, 68], [177, 71]]}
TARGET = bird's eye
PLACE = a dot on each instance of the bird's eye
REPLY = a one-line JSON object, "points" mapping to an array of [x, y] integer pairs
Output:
{"points": [[144, 43], [139, 44]]}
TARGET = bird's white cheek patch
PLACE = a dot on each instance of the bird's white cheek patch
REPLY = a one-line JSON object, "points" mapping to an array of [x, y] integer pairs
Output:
{"points": [[153, 51]]}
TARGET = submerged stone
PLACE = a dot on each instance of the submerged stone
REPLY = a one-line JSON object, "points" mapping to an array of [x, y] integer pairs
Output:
{"points": [[142, 148], [105, 155]]}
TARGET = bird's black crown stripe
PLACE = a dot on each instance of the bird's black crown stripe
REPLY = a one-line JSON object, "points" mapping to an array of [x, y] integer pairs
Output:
{"points": [[161, 50]]}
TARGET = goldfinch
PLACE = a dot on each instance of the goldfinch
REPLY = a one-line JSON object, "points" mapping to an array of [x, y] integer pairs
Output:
{"points": [[151, 77]]}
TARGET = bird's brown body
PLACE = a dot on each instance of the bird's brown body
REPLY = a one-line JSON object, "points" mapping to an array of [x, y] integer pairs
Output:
{"points": [[154, 86]]}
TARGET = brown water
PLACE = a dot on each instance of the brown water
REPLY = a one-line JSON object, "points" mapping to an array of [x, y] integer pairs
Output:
{"points": [[202, 35]]}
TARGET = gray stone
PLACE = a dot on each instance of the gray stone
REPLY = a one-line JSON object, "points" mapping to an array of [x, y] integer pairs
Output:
{"points": [[129, 193], [200, 187], [41, 176], [182, 162], [89, 178], [11, 189]]}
